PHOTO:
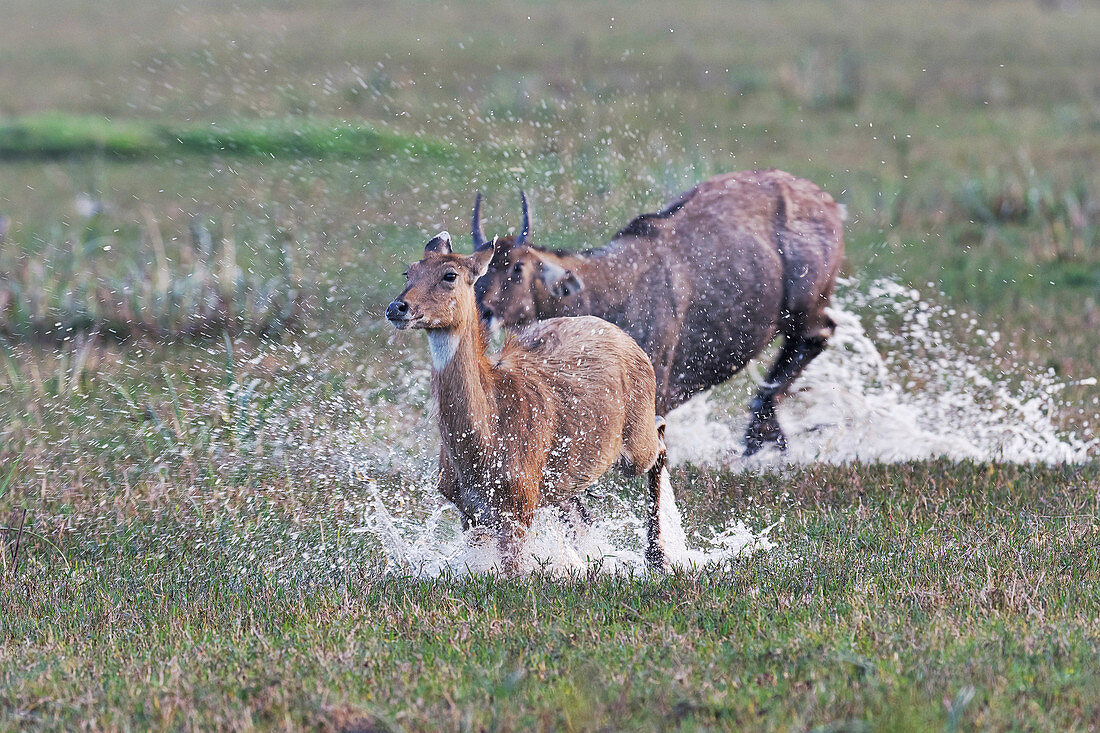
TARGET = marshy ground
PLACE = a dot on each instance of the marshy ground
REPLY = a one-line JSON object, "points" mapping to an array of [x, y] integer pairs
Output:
{"points": [[205, 208]]}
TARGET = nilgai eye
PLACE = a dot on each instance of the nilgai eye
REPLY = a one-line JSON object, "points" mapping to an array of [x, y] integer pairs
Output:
{"points": [[450, 277], [518, 268]]}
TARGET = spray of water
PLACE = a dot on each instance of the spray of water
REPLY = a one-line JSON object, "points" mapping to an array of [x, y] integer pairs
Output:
{"points": [[613, 543], [348, 473], [900, 389]]}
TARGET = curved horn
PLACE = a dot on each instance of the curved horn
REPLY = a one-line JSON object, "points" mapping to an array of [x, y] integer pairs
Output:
{"points": [[522, 238], [479, 238]]}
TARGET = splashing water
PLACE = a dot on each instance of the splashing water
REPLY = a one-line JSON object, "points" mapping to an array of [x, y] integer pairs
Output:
{"points": [[903, 389], [926, 398], [613, 543], [345, 475]]}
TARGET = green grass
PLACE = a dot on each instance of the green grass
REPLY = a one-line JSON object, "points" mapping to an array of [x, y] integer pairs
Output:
{"points": [[188, 558], [58, 135], [924, 597]]}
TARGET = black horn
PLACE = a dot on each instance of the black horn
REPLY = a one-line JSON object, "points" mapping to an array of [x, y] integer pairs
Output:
{"points": [[522, 238], [479, 238]]}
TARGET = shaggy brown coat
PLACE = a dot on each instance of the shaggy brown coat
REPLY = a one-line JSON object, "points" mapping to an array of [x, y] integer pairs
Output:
{"points": [[703, 285]]}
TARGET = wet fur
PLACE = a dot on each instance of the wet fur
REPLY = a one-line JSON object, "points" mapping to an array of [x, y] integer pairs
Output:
{"points": [[565, 400]]}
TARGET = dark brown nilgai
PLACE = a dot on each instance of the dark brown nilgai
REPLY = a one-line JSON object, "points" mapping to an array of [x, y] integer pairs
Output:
{"points": [[703, 285], [566, 399]]}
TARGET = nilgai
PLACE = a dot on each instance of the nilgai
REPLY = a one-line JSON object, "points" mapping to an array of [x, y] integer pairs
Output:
{"points": [[566, 399], [703, 285]]}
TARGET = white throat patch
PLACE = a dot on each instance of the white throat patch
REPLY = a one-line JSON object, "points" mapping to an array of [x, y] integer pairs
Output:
{"points": [[444, 344]]}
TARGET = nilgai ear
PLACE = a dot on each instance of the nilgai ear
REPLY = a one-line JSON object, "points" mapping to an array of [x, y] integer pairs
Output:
{"points": [[439, 244], [480, 259], [558, 280]]}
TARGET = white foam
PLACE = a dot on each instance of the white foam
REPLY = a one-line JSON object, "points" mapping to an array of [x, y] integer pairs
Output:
{"points": [[735, 540]]}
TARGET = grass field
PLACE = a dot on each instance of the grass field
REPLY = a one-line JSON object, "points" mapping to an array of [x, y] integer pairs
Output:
{"points": [[189, 499], [911, 597]]}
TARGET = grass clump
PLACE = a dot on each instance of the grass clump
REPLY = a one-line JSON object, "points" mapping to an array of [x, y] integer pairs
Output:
{"points": [[306, 138], [1055, 221], [53, 134], [74, 286]]}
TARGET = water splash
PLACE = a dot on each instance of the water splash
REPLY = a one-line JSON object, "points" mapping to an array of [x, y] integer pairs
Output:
{"points": [[614, 542], [917, 383], [903, 389], [292, 472]]}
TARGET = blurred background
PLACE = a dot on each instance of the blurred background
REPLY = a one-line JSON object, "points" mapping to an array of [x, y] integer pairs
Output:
{"points": [[962, 136]]}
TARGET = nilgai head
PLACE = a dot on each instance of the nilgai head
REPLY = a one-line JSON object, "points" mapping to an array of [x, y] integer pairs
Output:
{"points": [[439, 289], [520, 277]]}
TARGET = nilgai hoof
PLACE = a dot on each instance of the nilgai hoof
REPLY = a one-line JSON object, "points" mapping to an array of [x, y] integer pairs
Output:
{"points": [[575, 515], [582, 511], [762, 432], [509, 562], [655, 560]]}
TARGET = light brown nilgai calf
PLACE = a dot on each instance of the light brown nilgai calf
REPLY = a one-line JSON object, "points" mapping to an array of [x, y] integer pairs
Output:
{"points": [[566, 399]]}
